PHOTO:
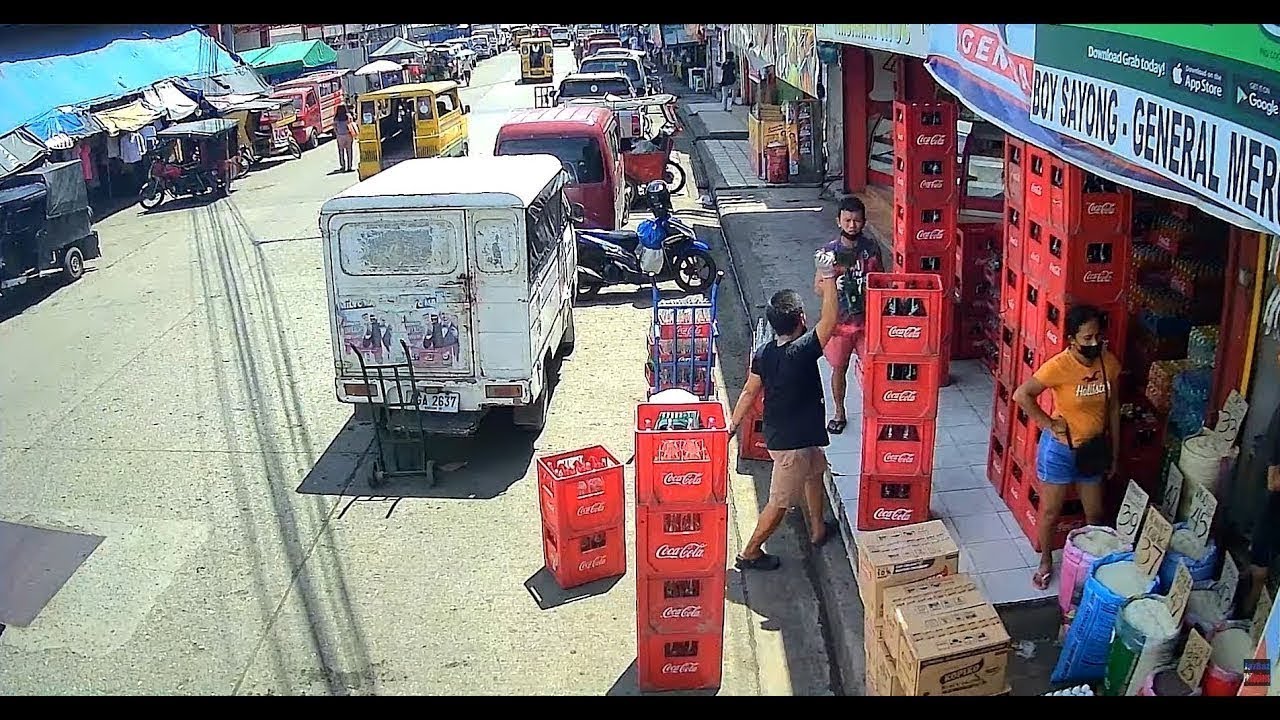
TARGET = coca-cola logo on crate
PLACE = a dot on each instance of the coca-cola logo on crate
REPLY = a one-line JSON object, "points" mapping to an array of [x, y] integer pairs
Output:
{"points": [[934, 234], [931, 184], [903, 458], [689, 478], [684, 668], [1101, 208], [1055, 269], [904, 332], [901, 396], [592, 509], [898, 515], [693, 550], [1098, 276], [937, 139], [688, 611], [591, 563], [1036, 189]]}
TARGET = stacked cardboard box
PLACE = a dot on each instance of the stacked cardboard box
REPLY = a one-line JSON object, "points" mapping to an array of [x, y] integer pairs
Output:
{"points": [[929, 630]]}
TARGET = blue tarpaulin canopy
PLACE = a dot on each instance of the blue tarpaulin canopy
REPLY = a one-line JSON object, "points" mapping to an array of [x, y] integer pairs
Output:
{"points": [[46, 66], [72, 122]]}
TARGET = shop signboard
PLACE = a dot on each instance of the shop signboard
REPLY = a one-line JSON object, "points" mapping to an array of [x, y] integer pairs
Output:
{"points": [[673, 35], [904, 38], [1110, 123], [796, 54], [1203, 120]]}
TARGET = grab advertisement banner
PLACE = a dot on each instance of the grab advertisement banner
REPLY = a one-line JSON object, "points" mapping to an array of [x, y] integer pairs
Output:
{"points": [[1177, 122]]}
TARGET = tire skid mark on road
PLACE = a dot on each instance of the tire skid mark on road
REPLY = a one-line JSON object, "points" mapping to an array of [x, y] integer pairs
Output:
{"points": [[223, 240]]}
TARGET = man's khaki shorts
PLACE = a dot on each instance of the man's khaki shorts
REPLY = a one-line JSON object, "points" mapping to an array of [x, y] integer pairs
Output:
{"points": [[791, 470]]}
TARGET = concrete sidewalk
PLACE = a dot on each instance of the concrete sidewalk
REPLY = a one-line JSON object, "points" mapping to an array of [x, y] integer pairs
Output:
{"points": [[770, 233]]}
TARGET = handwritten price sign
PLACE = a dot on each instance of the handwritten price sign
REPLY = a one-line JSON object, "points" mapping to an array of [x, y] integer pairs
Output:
{"points": [[1179, 592], [1227, 583], [1172, 491], [1201, 511], [1154, 542], [1195, 658], [1131, 509], [1260, 615], [1231, 417]]}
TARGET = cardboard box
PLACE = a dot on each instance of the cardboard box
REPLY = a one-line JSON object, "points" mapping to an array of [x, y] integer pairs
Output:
{"points": [[880, 670], [895, 633], [897, 556], [899, 595], [953, 651]]}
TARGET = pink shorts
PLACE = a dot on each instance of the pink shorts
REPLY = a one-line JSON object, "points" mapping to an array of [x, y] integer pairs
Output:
{"points": [[846, 340]]}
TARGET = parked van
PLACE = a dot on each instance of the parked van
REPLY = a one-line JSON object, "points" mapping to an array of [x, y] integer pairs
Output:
{"points": [[586, 139], [316, 97], [471, 262], [417, 120]]}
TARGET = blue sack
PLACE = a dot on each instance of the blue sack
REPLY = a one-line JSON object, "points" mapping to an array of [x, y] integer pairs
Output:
{"points": [[1088, 642]]}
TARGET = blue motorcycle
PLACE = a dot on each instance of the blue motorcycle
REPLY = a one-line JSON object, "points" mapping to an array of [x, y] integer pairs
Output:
{"points": [[663, 248]]}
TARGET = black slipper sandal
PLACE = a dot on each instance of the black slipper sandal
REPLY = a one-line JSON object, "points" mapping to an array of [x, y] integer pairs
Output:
{"points": [[835, 427], [764, 562], [832, 529]]}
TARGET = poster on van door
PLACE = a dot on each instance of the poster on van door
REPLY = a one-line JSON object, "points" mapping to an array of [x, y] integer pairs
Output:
{"points": [[376, 325]]}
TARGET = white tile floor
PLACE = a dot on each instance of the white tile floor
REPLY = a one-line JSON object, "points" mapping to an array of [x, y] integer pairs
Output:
{"points": [[993, 547], [732, 160]]}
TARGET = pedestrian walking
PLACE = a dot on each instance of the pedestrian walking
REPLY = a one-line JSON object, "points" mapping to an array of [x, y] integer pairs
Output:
{"points": [[786, 371], [728, 81], [344, 131], [1079, 446], [856, 255]]}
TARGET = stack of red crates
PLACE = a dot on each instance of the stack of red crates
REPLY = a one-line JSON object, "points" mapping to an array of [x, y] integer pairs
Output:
{"points": [[583, 508], [976, 334], [901, 376], [751, 442], [926, 198], [1065, 242], [682, 477]]}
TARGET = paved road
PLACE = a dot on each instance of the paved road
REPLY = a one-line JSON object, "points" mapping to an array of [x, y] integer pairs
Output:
{"points": [[178, 402]]}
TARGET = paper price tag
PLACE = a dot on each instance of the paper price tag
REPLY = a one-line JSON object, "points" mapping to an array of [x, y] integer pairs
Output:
{"points": [[1179, 592], [1260, 615], [1153, 543], [1172, 492], [1200, 512], [1231, 417], [1227, 583], [1131, 509], [1195, 658]]}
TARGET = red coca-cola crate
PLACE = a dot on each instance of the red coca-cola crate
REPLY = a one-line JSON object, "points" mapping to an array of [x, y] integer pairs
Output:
{"points": [[1014, 179], [1087, 268], [678, 661], [581, 490], [1002, 411], [687, 604], [969, 337], [997, 462], [904, 313], [681, 540], [924, 180], [681, 466], [900, 386], [1035, 253], [1024, 435], [1014, 242], [1033, 300], [575, 560], [1011, 291], [1036, 172], [1053, 332], [886, 501], [924, 228], [751, 442], [1009, 348], [1022, 495], [898, 447], [1075, 211], [924, 129], [1030, 358], [978, 248], [941, 263]]}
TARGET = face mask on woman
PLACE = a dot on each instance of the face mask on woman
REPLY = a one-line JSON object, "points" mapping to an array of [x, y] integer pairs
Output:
{"points": [[1091, 352]]}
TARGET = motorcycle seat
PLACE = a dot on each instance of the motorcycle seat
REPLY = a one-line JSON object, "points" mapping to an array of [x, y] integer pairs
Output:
{"points": [[625, 238]]}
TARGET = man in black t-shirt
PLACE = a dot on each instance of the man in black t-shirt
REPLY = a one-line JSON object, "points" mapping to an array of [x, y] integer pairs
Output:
{"points": [[786, 370]]}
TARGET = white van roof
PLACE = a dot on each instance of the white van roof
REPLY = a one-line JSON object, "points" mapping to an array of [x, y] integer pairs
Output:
{"points": [[504, 181]]}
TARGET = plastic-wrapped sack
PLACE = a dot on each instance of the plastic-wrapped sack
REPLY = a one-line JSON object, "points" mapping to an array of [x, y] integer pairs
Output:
{"points": [[1088, 642], [1083, 548], [1146, 637], [1201, 568]]}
